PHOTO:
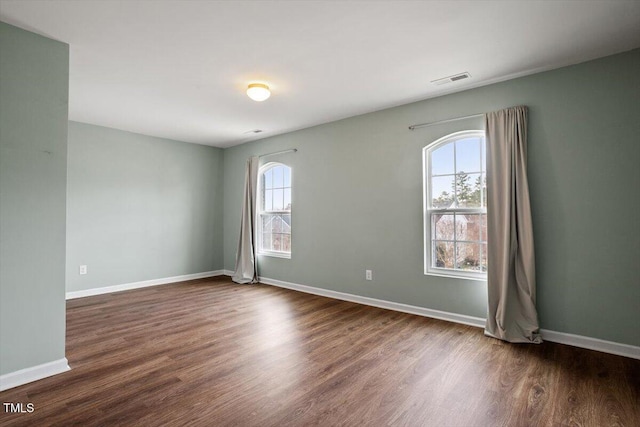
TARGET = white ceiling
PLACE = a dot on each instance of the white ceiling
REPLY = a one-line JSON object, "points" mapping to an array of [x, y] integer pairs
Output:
{"points": [[179, 69]]}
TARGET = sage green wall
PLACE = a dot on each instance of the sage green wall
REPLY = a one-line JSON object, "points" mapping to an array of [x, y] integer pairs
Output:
{"points": [[140, 207], [33, 160], [357, 199]]}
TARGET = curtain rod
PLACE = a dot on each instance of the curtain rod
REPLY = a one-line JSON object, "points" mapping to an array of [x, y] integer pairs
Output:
{"points": [[279, 152], [437, 122]]}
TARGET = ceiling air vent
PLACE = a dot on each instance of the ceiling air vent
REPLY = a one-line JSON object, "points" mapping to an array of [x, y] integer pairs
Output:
{"points": [[451, 79]]}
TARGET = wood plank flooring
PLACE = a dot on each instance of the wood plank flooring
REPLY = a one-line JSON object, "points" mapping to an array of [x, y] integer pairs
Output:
{"points": [[213, 353]]}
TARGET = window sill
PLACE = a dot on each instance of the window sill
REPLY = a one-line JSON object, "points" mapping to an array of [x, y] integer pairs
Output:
{"points": [[454, 275], [276, 254]]}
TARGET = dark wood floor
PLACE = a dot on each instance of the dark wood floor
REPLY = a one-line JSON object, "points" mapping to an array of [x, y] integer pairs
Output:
{"points": [[212, 353]]}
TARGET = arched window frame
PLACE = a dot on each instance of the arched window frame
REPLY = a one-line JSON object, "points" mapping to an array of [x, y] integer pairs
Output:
{"points": [[429, 211], [264, 212]]}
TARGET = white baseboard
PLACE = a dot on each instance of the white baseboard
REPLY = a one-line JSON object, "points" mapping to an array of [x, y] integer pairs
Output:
{"points": [[34, 373], [143, 284], [396, 306], [591, 343], [553, 336]]}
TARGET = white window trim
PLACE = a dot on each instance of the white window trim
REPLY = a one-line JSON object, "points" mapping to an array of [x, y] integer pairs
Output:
{"points": [[260, 210], [428, 211]]}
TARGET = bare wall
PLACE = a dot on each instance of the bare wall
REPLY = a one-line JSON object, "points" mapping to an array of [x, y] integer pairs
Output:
{"points": [[357, 199], [33, 163], [140, 207]]}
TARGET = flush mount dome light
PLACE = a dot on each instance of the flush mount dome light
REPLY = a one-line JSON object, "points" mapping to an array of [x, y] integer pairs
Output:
{"points": [[258, 91]]}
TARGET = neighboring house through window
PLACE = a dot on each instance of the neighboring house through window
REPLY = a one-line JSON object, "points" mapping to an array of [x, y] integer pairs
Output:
{"points": [[455, 206], [274, 222]]}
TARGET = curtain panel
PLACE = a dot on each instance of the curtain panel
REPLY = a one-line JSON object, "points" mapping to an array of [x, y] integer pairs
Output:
{"points": [[511, 278], [246, 257]]}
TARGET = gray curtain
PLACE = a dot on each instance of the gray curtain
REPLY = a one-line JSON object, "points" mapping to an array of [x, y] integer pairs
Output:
{"points": [[246, 259], [511, 278]]}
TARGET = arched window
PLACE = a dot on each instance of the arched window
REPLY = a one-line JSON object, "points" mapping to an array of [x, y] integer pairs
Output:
{"points": [[455, 206], [274, 219]]}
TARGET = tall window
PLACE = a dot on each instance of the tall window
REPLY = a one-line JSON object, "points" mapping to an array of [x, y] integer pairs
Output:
{"points": [[274, 223], [455, 206]]}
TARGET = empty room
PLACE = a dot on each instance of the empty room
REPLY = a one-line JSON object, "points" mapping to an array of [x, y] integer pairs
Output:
{"points": [[333, 213]]}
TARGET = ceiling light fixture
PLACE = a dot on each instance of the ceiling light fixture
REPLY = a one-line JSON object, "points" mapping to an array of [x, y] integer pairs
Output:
{"points": [[258, 92]]}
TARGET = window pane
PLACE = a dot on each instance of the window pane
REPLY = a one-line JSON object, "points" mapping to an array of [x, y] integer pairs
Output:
{"points": [[442, 191], [483, 227], [266, 241], [286, 223], [443, 256], [483, 190], [278, 200], [483, 260], [471, 228], [442, 160], [278, 243], [287, 199], [442, 226], [468, 187], [268, 200], [276, 224], [268, 179], [468, 256], [281, 242], [461, 226], [286, 242], [287, 177], [267, 221], [483, 146], [278, 177], [468, 155]]}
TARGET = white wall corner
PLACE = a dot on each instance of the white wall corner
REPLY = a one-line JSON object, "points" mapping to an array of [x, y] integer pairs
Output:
{"points": [[143, 284], [34, 373], [552, 336]]}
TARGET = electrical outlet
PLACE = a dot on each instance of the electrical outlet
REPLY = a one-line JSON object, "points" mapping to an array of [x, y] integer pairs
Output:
{"points": [[83, 269], [368, 274]]}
